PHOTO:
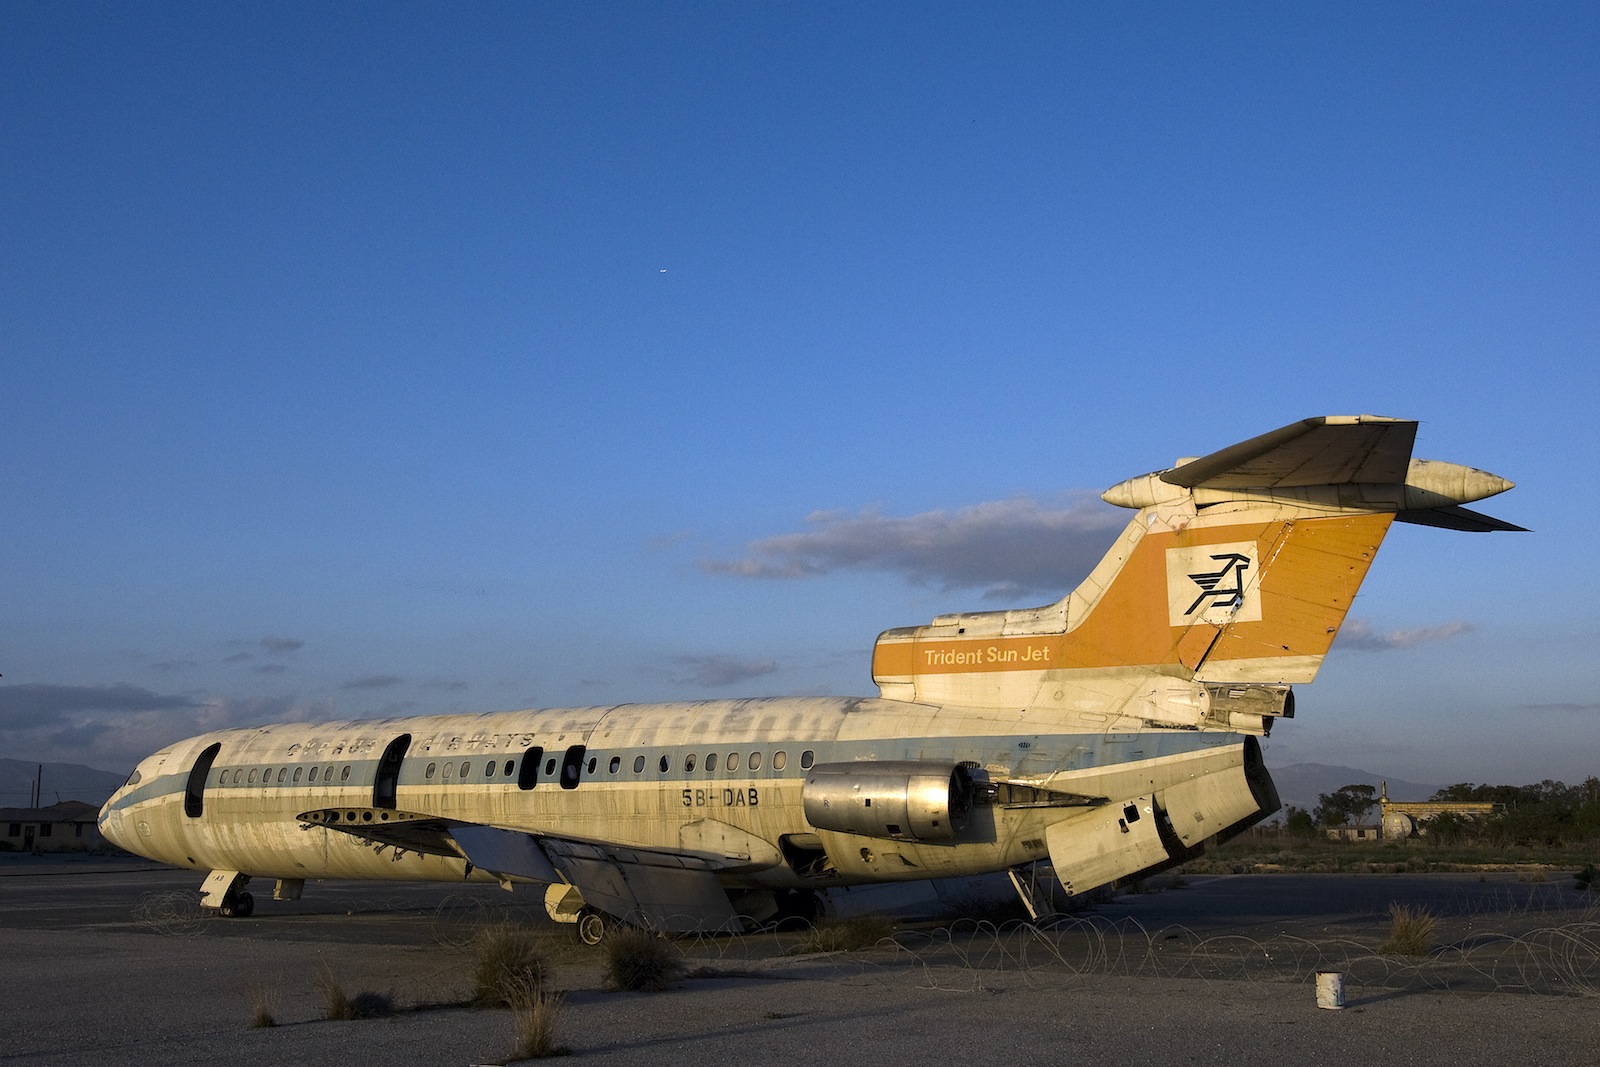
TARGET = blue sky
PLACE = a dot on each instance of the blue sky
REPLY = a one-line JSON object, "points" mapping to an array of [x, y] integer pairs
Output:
{"points": [[362, 359]]}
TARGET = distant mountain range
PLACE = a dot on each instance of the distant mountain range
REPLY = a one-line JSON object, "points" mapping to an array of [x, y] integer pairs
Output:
{"points": [[1299, 784], [61, 781]]}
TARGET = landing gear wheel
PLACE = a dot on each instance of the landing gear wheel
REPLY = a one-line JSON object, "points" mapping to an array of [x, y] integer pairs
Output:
{"points": [[238, 905], [592, 927]]}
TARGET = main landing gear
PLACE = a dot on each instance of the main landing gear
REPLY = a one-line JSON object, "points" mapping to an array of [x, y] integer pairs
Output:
{"points": [[224, 893], [593, 926]]}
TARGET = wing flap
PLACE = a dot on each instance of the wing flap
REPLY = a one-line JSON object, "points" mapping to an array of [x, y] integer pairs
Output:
{"points": [[670, 892]]}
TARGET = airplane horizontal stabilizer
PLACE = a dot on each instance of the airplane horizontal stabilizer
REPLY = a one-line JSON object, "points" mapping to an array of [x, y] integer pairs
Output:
{"points": [[1458, 518], [1327, 450]]}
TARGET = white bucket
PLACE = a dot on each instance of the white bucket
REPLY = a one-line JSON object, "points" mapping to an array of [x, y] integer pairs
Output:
{"points": [[1330, 990]]}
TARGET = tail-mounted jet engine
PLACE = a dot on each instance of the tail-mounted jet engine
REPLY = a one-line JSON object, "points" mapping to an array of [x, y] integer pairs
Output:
{"points": [[904, 800]]}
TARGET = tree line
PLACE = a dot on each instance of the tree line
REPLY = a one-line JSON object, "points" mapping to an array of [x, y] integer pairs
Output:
{"points": [[1544, 813]]}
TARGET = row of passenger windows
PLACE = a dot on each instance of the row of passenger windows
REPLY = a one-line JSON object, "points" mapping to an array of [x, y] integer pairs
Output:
{"points": [[265, 775], [491, 769], [780, 760]]}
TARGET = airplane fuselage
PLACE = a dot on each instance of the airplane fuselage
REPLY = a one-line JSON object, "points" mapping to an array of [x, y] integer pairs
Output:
{"points": [[628, 776]]}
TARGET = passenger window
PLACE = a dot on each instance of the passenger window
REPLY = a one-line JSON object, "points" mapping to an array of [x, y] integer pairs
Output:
{"points": [[283, 772], [449, 769], [549, 766], [666, 763], [616, 764], [428, 773], [313, 775], [638, 765], [466, 769], [755, 761], [806, 759], [488, 770], [733, 762], [780, 760], [297, 772], [266, 776], [252, 776], [688, 763], [593, 761], [711, 762], [344, 775], [510, 764]]}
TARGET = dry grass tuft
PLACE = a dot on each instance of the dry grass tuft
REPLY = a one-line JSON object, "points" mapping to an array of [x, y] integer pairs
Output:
{"points": [[339, 1005], [639, 961], [509, 959], [1411, 931], [534, 1015], [848, 935], [261, 1016]]}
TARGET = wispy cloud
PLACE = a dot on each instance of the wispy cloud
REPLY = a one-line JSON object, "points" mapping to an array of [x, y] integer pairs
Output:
{"points": [[36, 704], [374, 681], [724, 670], [1008, 548], [272, 646], [1576, 709], [114, 726], [1359, 635]]}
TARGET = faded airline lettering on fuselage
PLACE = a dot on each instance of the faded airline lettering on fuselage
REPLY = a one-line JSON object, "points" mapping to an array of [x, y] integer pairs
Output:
{"points": [[988, 655]]}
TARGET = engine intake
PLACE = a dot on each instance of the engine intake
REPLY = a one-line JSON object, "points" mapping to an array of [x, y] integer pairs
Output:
{"points": [[903, 800]]}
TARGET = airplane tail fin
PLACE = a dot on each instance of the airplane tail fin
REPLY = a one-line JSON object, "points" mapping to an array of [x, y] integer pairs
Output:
{"points": [[1228, 585]]}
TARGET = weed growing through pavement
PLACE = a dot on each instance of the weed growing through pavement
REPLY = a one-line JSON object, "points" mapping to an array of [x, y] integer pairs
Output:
{"points": [[261, 1016], [535, 1012], [339, 1005], [639, 961], [508, 959], [1410, 931]]}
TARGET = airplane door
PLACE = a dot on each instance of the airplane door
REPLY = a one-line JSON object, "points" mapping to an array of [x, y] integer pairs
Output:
{"points": [[387, 782], [194, 793]]}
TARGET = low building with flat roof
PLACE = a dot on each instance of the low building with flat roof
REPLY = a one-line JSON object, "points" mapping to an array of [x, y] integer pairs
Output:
{"points": [[70, 826]]}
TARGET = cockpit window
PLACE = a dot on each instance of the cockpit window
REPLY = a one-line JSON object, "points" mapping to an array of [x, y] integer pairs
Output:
{"points": [[133, 779]]}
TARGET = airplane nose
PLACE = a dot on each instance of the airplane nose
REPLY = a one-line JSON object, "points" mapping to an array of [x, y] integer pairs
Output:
{"points": [[109, 821]]}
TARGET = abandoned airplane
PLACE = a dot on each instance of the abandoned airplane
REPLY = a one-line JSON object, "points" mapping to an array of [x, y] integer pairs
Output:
{"points": [[1112, 732]]}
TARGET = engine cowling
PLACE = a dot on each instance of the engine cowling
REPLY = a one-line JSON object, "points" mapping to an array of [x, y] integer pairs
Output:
{"points": [[902, 800]]}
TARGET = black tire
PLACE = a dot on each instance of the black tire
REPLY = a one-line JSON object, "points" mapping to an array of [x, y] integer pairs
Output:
{"points": [[244, 906]]}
